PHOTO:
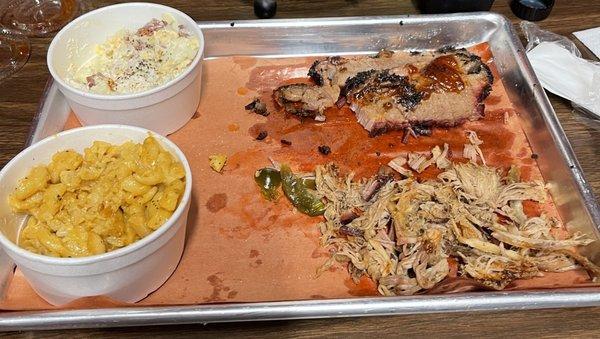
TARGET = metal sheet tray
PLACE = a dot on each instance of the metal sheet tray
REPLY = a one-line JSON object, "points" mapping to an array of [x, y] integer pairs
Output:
{"points": [[285, 38]]}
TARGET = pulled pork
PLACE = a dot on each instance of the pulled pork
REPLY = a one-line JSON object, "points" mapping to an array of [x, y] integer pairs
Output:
{"points": [[405, 235]]}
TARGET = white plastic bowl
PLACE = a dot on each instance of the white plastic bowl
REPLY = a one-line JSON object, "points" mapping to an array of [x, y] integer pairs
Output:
{"points": [[128, 274], [163, 109]]}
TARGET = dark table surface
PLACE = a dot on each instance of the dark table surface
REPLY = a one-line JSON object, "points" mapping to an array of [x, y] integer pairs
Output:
{"points": [[19, 98]]}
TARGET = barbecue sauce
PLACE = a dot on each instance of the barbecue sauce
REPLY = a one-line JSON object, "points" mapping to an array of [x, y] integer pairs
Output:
{"points": [[440, 75]]}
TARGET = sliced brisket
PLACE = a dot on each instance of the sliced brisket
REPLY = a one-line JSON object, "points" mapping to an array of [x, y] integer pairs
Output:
{"points": [[305, 100], [395, 90]]}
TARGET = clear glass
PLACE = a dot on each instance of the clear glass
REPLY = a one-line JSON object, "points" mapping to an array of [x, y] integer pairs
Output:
{"points": [[40, 17], [22, 18], [14, 51]]}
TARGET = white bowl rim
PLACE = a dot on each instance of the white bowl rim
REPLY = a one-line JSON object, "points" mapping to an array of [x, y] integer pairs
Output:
{"points": [[6, 243], [188, 70]]}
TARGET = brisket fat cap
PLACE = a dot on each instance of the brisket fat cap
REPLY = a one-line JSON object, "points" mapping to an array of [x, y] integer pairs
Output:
{"points": [[384, 88], [323, 71], [335, 71]]}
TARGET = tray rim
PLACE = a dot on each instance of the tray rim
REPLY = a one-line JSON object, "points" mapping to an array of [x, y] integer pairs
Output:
{"points": [[329, 308], [302, 309]]}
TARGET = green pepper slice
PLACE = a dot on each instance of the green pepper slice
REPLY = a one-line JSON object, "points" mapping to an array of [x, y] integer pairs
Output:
{"points": [[306, 200], [268, 179]]}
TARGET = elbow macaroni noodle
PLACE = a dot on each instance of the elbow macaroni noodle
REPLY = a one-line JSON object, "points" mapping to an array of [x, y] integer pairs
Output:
{"points": [[104, 199]]}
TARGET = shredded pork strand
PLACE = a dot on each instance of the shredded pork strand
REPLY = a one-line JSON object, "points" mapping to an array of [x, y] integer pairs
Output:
{"points": [[403, 233], [471, 150], [419, 162]]}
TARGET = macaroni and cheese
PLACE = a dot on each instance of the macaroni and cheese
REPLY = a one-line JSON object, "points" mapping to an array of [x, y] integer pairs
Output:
{"points": [[106, 198]]}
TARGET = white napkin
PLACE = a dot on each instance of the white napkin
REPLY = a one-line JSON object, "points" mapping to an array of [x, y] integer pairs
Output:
{"points": [[567, 75], [591, 39]]}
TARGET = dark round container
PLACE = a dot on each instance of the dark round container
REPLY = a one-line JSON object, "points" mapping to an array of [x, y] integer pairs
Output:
{"points": [[532, 10], [453, 6]]}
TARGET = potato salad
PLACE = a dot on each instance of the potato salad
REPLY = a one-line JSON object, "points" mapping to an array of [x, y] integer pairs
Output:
{"points": [[136, 61]]}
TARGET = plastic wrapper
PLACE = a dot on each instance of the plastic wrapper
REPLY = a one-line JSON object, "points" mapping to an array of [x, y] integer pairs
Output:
{"points": [[561, 70]]}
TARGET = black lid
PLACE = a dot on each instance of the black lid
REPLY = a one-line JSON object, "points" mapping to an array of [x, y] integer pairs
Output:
{"points": [[532, 10]]}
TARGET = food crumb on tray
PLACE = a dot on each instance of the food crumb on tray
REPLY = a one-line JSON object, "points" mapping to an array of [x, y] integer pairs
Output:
{"points": [[262, 135], [257, 107], [324, 149], [217, 162]]}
